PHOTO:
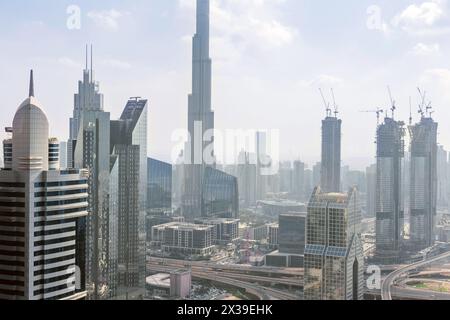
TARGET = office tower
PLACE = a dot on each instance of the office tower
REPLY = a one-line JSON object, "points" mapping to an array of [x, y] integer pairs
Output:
{"points": [[291, 234], [200, 117], [316, 175], [159, 187], [371, 180], [334, 260], [262, 161], [220, 195], [91, 150], [423, 188], [87, 98], [442, 177], [41, 208], [180, 284], [184, 238], [246, 174], [389, 203], [330, 177], [285, 175], [298, 181], [309, 186], [178, 177], [63, 154], [225, 231], [129, 143]]}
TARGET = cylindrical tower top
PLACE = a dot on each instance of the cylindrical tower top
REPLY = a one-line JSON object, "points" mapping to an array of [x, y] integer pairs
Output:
{"points": [[30, 135]]}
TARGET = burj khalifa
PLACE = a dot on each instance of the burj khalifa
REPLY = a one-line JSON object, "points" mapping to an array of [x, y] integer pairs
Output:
{"points": [[199, 151]]}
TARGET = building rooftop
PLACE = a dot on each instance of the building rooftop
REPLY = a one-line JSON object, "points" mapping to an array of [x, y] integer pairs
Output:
{"points": [[161, 280]]}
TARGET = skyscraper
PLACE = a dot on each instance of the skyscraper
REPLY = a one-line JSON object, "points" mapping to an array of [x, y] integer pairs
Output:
{"points": [[200, 117], [41, 208], [330, 180], [159, 187], [334, 259], [87, 98], [246, 174], [298, 181], [91, 150], [371, 174], [388, 200], [423, 189], [129, 144]]}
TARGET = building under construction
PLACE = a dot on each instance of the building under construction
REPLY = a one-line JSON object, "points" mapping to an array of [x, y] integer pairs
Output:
{"points": [[331, 155], [423, 186], [389, 203]]}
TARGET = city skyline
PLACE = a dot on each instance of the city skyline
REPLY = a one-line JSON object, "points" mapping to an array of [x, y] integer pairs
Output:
{"points": [[278, 41], [258, 196]]}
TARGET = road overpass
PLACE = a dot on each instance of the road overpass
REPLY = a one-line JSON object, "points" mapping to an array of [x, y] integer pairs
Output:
{"points": [[388, 282]]}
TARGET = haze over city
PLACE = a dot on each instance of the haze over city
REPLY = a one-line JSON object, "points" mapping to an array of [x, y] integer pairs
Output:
{"points": [[260, 151], [269, 59]]}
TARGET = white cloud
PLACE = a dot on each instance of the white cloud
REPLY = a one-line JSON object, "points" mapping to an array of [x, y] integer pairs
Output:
{"points": [[240, 25], [107, 19], [67, 62], [422, 49], [322, 80], [116, 64], [423, 19]]}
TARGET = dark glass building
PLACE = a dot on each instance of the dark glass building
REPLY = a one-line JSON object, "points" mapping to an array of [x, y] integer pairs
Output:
{"points": [[220, 196], [159, 187], [291, 233]]}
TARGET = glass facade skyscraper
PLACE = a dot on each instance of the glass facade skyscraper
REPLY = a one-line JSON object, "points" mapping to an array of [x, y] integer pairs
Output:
{"points": [[91, 150], [330, 173], [423, 188], [334, 260], [159, 187], [389, 201], [220, 196], [129, 144]]}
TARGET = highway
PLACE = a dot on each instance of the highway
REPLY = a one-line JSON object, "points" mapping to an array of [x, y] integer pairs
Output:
{"points": [[229, 275], [388, 282]]}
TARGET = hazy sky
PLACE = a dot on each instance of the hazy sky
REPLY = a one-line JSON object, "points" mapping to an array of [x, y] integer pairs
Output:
{"points": [[269, 59]]}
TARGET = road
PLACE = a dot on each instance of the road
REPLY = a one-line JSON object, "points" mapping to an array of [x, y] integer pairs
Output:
{"points": [[386, 286], [248, 282]]}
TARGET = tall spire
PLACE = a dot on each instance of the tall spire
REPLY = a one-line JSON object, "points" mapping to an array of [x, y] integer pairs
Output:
{"points": [[31, 90], [86, 57], [92, 67]]}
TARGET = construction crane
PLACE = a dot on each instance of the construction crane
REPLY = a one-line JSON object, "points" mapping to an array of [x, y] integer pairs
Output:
{"points": [[335, 106], [423, 97], [378, 112], [327, 104], [393, 107], [410, 112]]}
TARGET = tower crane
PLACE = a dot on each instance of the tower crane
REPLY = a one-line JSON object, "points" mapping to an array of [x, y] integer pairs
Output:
{"points": [[327, 104], [393, 106], [335, 106], [378, 112]]}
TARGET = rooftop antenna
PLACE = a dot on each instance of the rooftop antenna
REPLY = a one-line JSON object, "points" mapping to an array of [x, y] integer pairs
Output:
{"points": [[92, 64], [31, 89], [327, 104], [86, 57], [393, 107], [336, 110]]}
